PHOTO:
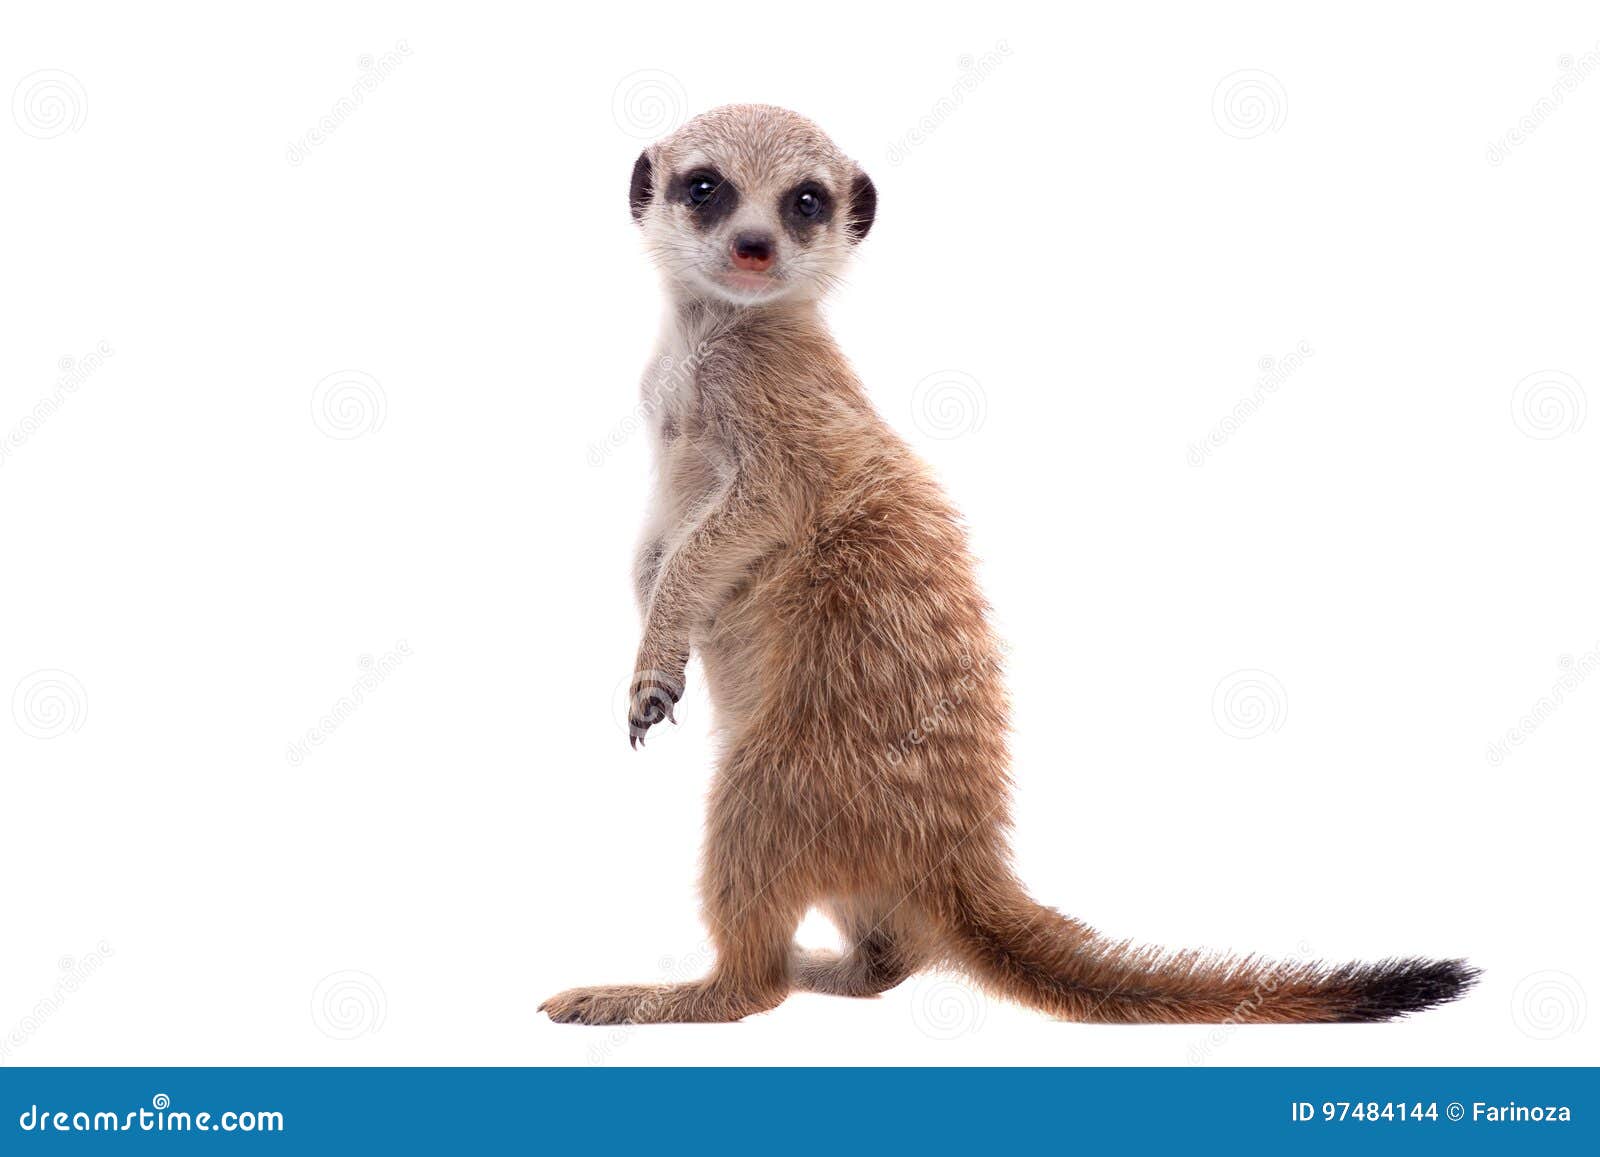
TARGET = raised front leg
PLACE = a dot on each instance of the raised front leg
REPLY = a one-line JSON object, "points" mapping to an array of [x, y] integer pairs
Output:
{"points": [[646, 565], [658, 681], [693, 581]]}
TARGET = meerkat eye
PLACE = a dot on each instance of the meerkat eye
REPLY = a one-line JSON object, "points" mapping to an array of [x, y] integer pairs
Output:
{"points": [[701, 187], [808, 204]]}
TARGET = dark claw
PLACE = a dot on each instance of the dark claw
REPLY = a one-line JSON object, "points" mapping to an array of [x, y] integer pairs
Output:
{"points": [[653, 704], [652, 700]]}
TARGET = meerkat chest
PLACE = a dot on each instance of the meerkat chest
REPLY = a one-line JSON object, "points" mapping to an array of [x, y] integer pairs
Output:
{"points": [[691, 463], [671, 387]]}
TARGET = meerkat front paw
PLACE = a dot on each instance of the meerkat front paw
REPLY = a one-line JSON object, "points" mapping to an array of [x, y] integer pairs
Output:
{"points": [[656, 688]]}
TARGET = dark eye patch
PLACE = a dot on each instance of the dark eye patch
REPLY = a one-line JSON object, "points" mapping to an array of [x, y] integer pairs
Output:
{"points": [[804, 208], [639, 191], [705, 209]]}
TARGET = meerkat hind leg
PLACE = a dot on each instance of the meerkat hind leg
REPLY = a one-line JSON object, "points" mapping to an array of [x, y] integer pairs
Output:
{"points": [[878, 956], [751, 928], [699, 1002]]}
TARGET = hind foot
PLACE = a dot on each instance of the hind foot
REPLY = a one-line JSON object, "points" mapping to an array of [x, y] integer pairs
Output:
{"points": [[698, 1003], [872, 968]]}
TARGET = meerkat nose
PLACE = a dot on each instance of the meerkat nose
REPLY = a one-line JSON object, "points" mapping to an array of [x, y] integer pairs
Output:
{"points": [[753, 251]]}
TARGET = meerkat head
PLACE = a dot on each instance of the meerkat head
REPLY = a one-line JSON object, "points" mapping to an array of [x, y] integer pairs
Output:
{"points": [[750, 204]]}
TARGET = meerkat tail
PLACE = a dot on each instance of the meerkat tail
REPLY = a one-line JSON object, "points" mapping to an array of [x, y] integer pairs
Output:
{"points": [[1036, 956]]}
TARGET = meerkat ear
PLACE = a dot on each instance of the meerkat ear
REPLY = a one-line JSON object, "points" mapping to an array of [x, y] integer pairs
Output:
{"points": [[639, 187], [863, 205]]}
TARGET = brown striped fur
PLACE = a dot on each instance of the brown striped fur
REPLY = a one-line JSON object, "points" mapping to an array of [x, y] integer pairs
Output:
{"points": [[801, 549]]}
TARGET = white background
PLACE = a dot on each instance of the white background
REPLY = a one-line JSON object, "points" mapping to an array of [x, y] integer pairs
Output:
{"points": [[1093, 251]]}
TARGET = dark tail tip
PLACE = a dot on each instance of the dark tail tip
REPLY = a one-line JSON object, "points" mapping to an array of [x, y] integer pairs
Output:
{"points": [[1392, 988]]}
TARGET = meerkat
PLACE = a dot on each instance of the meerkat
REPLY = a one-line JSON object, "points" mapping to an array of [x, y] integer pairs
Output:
{"points": [[800, 548]]}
